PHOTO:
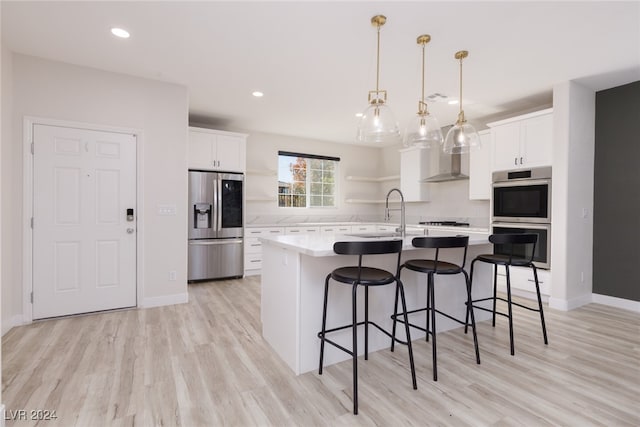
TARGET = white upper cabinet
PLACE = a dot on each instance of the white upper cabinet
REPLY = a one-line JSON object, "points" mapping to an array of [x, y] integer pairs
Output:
{"points": [[480, 168], [217, 150], [415, 165], [523, 141]]}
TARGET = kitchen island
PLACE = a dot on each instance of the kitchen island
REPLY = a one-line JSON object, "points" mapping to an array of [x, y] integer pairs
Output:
{"points": [[294, 268]]}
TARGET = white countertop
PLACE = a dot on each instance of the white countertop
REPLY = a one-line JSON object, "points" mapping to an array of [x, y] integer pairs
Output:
{"points": [[328, 224], [320, 245]]}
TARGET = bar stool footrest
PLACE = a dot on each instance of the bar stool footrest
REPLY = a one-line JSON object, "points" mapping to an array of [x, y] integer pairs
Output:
{"points": [[349, 326]]}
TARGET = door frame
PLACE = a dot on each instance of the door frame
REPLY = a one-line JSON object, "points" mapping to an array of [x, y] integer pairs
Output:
{"points": [[27, 203]]}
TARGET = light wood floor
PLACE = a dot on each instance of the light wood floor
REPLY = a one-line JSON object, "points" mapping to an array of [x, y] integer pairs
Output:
{"points": [[205, 363]]}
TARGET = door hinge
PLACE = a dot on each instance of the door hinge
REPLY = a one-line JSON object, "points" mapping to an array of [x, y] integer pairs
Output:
{"points": [[31, 297], [32, 149]]}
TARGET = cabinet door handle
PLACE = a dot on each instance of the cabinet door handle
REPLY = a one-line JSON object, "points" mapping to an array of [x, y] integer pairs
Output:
{"points": [[520, 160], [515, 161]]}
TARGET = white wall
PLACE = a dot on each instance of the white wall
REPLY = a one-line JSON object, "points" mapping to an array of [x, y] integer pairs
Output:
{"points": [[55, 90], [3, 110], [448, 199], [6, 229], [572, 195], [262, 155]]}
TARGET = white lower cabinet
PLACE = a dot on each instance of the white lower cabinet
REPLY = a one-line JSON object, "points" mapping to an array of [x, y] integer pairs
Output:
{"points": [[364, 228], [522, 279], [253, 247], [335, 229], [301, 230]]}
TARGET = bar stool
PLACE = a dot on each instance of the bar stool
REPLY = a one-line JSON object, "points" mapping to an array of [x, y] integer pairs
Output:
{"points": [[363, 276], [432, 267], [520, 248]]}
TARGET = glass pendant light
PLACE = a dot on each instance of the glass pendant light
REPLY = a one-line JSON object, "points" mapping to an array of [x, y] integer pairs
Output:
{"points": [[462, 136], [378, 124], [423, 129]]}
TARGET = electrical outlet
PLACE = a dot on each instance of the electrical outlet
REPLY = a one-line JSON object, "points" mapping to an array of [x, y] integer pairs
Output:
{"points": [[172, 275], [585, 212]]}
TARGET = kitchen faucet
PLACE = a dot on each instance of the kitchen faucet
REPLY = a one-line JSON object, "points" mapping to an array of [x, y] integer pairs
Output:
{"points": [[403, 225]]}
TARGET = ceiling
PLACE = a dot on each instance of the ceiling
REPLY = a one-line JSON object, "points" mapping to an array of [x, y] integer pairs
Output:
{"points": [[315, 61]]}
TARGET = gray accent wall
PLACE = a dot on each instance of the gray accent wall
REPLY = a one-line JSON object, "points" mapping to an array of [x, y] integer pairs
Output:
{"points": [[616, 227]]}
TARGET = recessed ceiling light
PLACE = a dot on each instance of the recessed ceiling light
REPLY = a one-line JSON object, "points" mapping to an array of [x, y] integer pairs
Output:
{"points": [[453, 102], [119, 32], [358, 114], [258, 94]]}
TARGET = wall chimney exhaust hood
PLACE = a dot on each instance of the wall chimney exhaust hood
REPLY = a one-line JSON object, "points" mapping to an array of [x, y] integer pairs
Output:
{"points": [[449, 165]]}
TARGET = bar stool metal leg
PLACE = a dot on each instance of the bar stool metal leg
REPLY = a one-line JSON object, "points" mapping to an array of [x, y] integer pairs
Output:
{"points": [[469, 303], [495, 293], [544, 328], [510, 316], [355, 347], [324, 321], [408, 334], [430, 286], [366, 323], [395, 314], [428, 320], [473, 318]]}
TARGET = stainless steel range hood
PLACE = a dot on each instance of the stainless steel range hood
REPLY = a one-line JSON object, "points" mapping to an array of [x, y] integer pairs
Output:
{"points": [[449, 169], [449, 165]]}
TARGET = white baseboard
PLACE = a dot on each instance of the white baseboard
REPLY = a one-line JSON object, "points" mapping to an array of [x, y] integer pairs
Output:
{"points": [[252, 272], [14, 321], [522, 293], [625, 304], [165, 300], [569, 304]]}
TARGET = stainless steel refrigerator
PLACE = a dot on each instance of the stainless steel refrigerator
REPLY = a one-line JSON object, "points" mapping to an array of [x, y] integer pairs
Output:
{"points": [[215, 225]]}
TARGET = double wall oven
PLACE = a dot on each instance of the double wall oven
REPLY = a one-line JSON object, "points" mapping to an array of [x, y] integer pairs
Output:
{"points": [[521, 203]]}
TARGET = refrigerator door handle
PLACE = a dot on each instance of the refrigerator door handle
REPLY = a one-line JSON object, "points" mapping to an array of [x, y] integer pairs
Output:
{"points": [[215, 242], [216, 204], [219, 199]]}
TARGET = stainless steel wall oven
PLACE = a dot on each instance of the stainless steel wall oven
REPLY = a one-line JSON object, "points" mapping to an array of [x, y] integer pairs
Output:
{"points": [[521, 203], [522, 196]]}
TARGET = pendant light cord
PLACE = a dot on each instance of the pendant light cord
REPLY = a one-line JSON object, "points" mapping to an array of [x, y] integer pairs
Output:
{"points": [[378, 62], [460, 100], [422, 99]]}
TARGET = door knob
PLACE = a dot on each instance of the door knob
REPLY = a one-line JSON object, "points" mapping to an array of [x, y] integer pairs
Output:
{"points": [[130, 230]]}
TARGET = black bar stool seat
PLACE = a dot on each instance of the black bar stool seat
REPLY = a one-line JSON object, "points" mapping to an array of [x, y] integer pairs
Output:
{"points": [[368, 276], [520, 249], [503, 260], [429, 265], [433, 267], [364, 276]]}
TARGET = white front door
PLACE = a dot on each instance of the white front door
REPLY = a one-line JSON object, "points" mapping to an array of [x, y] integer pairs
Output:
{"points": [[84, 247]]}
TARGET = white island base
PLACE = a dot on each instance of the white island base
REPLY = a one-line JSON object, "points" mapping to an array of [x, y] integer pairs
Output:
{"points": [[293, 273]]}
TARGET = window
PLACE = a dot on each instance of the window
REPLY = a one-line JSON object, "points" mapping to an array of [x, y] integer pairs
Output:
{"points": [[306, 180]]}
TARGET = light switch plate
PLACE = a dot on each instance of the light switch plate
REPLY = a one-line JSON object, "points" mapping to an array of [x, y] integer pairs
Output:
{"points": [[167, 210]]}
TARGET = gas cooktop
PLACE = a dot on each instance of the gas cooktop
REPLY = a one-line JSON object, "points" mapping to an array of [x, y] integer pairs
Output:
{"points": [[445, 223]]}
